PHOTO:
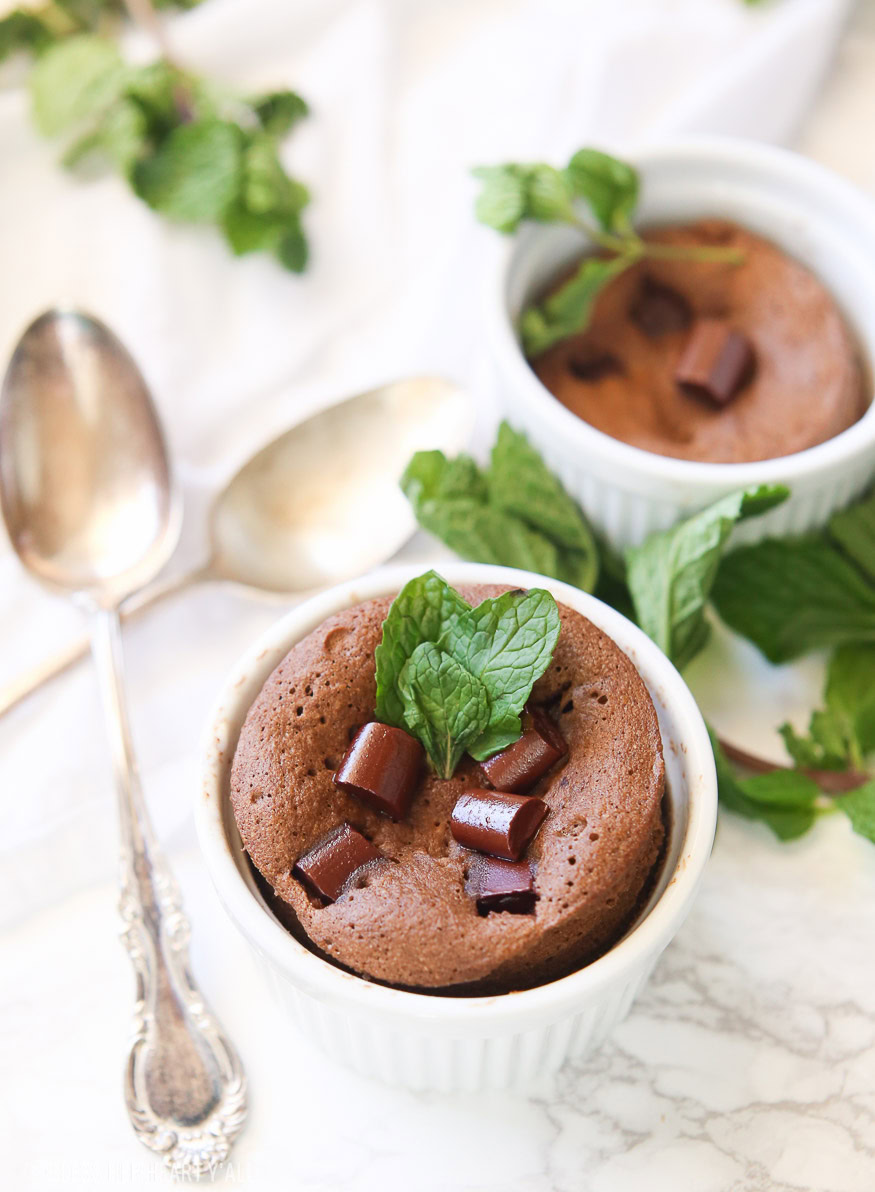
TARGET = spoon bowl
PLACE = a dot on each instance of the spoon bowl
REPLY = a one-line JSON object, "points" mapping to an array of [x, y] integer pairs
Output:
{"points": [[321, 503], [85, 481]]}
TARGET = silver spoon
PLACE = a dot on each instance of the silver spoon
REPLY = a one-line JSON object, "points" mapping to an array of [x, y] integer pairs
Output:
{"points": [[91, 510], [317, 505]]}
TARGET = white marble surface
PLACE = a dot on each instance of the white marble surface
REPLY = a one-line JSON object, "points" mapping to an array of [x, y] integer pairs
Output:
{"points": [[748, 1064]]}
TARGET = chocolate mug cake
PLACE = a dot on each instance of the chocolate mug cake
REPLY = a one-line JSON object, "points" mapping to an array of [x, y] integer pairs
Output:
{"points": [[509, 873], [748, 359]]}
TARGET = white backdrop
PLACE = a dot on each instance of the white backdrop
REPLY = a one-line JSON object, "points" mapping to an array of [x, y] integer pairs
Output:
{"points": [[725, 1071]]}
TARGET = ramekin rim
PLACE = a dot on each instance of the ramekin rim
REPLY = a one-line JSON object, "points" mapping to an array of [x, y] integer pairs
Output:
{"points": [[683, 474], [320, 977]]}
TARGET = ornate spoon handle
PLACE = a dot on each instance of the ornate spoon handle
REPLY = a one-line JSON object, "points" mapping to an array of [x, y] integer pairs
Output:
{"points": [[184, 1085]]}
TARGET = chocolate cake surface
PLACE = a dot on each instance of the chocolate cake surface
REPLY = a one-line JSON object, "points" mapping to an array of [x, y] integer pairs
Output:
{"points": [[407, 919], [619, 375]]}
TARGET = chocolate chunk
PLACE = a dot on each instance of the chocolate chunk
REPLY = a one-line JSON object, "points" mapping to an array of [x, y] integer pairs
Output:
{"points": [[501, 886], [716, 362], [496, 822], [522, 764], [381, 767], [593, 366], [659, 310], [329, 865]]}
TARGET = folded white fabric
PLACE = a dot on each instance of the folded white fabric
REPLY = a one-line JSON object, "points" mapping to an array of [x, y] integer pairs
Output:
{"points": [[406, 95]]}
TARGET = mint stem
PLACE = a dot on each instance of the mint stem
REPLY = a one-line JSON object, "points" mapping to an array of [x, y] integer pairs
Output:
{"points": [[680, 252], [831, 782], [142, 13]]}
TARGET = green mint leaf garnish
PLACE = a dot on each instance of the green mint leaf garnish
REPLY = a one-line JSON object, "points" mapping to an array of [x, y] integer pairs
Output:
{"points": [[853, 530], [121, 137], [822, 749], [549, 198], [196, 174], [418, 614], [512, 193], [842, 734], [23, 30], [279, 111], [792, 596], [568, 309], [190, 150], [859, 807], [515, 513], [507, 643], [784, 799], [519, 482], [608, 188], [74, 80], [456, 677], [671, 575], [608, 185], [445, 706], [502, 201]]}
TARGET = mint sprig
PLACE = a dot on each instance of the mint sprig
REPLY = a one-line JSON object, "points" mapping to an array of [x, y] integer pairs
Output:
{"points": [[608, 189], [789, 801], [188, 148], [515, 513], [458, 677], [785, 800], [795, 595], [665, 585], [841, 735], [671, 575]]}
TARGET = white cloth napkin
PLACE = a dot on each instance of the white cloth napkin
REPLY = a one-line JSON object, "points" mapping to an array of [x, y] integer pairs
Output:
{"points": [[406, 97]]}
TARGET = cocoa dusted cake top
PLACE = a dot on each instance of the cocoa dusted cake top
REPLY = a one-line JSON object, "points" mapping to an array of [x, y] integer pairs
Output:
{"points": [[726, 362], [508, 873]]}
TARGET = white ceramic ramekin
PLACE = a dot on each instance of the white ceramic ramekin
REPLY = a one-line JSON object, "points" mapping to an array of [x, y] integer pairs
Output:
{"points": [[817, 218], [428, 1042]]}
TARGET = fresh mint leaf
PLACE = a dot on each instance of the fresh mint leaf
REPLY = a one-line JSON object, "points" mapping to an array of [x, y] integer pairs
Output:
{"points": [[74, 80], [478, 531], [784, 800], [456, 677], [507, 643], [859, 807], [520, 483], [445, 706], [548, 195], [608, 185], [822, 749], [22, 29], [854, 531], [279, 111], [431, 476], [512, 193], [449, 499], [266, 187], [248, 232], [568, 309], [791, 596], [419, 613], [841, 734], [671, 575], [293, 251], [194, 175], [516, 515], [501, 203], [121, 136], [850, 697]]}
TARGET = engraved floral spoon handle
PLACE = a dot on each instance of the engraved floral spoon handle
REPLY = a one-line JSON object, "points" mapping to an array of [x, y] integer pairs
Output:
{"points": [[184, 1085]]}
